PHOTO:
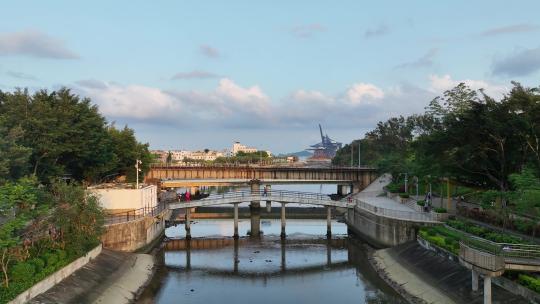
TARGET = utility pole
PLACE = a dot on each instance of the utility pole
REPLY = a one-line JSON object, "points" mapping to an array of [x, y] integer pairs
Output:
{"points": [[137, 170]]}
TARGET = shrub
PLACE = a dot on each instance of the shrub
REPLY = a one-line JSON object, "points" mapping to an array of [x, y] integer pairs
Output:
{"points": [[23, 272], [38, 263], [51, 258], [404, 195], [529, 282], [393, 188], [440, 210], [421, 203]]}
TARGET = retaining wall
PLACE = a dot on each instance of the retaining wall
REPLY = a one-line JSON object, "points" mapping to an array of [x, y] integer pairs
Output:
{"points": [[134, 235], [378, 230], [56, 277]]}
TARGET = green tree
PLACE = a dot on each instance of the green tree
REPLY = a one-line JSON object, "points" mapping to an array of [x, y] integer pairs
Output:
{"points": [[78, 215], [13, 156], [127, 150]]}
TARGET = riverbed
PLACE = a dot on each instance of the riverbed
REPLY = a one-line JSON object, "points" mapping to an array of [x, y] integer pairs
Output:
{"points": [[305, 268]]}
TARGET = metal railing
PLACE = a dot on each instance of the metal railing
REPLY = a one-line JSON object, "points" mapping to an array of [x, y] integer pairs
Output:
{"points": [[506, 250], [131, 215], [318, 199]]}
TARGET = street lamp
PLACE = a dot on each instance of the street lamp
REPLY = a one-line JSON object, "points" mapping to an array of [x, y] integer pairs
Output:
{"points": [[406, 180], [137, 170]]}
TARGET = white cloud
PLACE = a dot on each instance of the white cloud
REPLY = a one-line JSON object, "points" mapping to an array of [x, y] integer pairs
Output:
{"points": [[132, 101], [35, 44], [439, 84], [364, 93], [311, 97]]}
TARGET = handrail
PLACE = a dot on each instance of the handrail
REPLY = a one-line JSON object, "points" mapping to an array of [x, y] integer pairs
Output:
{"points": [[506, 250], [252, 166], [386, 212], [131, 215]]}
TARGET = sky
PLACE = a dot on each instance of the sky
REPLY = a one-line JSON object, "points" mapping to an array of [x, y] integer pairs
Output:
{"points": [[202, 74]]}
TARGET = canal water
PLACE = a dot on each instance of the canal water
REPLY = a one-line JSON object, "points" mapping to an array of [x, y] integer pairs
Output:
{"points": [[305, 268]]}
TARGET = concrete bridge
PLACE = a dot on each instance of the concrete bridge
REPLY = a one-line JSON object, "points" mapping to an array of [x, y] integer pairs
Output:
{"points": [[185, 176], [255, 196], [489, 259]]}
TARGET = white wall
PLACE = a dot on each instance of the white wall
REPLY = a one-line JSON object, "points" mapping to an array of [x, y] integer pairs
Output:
{"points": [[127, 198]]}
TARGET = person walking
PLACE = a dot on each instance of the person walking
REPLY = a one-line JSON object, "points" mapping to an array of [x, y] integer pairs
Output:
{"points": [[265, 191], [188, 196]]}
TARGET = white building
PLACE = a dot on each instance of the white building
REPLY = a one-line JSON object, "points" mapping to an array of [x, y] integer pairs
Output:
{"points": [[123, 197], [238, 147]]}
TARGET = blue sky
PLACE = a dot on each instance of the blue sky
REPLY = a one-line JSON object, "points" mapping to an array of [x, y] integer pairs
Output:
{"points": [[197, 74]]}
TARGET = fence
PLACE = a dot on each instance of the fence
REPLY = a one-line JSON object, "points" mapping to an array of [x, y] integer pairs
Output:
{"points": [[505, 250], [131, 215]]}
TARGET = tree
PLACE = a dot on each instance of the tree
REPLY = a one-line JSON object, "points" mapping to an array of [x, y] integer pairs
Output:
{"points": [[126, 150], [78, 216], [13, 156]]}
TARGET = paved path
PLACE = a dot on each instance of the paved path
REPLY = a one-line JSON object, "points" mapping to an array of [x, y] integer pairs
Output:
{"points": [[371, 195]]}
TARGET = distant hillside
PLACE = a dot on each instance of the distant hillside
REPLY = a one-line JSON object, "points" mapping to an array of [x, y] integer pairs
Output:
{"points": [[299, 154]]}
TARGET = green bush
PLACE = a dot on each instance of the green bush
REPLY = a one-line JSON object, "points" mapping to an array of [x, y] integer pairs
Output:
{"points": [[38, 263], [421, 203], [529, 282], [440, 210], [23, 272], [404, 195], [51, 258], [393, 188]]}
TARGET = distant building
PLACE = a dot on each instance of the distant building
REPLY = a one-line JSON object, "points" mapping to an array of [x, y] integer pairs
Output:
{"points": [[238, 147], [161, 156], [326, 149]]}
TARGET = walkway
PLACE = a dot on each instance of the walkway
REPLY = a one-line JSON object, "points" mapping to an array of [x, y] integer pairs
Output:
{"points": [[371, 195]]}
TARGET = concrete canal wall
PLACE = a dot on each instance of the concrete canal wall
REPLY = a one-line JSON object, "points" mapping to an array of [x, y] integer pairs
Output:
{"points": [[133, 235], [378, 230]]}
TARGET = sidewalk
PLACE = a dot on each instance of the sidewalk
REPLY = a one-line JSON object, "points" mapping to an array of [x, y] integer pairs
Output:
{"points": [[371, 196]]}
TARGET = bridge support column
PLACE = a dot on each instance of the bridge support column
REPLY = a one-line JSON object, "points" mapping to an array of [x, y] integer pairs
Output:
{"points": [[235, 221], [188, 223], [255, 209], [328, 222], [487, 290], [283, 221], [268, 203], [340, 189], [474, 277]]}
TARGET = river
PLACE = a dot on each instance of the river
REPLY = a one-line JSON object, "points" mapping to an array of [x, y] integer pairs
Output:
{"points": [[306, 268]]}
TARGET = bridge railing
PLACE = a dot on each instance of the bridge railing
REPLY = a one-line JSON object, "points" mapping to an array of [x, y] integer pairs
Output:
{"points": [[271, 193], [505, 250], [393, 213], [131, 215], [243, 196]]}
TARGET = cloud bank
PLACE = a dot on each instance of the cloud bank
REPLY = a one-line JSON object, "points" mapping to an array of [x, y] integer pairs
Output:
{"points": [[34, 43]]}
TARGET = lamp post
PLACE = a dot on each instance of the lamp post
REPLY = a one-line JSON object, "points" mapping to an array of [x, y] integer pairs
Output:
{"points": [[137, 170], [359, 142]]}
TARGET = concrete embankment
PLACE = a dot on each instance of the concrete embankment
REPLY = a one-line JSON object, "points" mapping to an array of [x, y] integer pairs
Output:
{"points": [[112, 277], [430, 278]]}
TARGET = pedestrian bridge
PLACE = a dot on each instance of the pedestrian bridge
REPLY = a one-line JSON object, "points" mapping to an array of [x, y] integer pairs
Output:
{"points": [[489, 259]]}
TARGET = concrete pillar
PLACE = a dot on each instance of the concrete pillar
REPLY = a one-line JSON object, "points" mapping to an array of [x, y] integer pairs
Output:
{"points": [[487, 290], [268, 203], [329, 253], [283, 258], [255, 209], [188, 254], [235, 235], [340, 189], [235, 255], [188, 223], [283, 220], [328, 221], [474, 277]]}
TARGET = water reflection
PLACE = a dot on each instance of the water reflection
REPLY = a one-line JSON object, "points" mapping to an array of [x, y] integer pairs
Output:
{"points": [[302, 269]]}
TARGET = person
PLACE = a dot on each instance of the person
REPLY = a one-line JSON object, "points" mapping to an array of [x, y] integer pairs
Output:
{"points": [[188, 196], [265, 191]]}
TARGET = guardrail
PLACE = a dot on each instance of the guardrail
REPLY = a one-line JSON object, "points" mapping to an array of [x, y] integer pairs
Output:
{"points": [[131, 215], [506, 250], [243, 196]]}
